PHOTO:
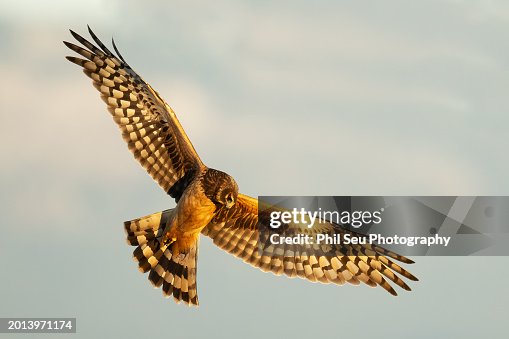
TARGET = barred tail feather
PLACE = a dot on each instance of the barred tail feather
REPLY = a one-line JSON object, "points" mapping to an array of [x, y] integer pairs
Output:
{"points": [[140, 231], [174, 270]]}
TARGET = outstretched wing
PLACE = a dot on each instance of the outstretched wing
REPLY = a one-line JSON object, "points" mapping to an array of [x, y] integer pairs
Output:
{"points": [[149, 126], [237, 232]]}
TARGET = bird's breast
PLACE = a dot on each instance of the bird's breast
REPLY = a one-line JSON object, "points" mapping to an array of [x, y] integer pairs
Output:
{"points": [[194, 209]]}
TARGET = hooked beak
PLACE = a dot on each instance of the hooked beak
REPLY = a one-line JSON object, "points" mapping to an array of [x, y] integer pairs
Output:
{"points": [[230, 204]]}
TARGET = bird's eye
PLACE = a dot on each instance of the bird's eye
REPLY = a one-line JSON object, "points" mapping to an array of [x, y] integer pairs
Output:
{"points": [[229, 199]]}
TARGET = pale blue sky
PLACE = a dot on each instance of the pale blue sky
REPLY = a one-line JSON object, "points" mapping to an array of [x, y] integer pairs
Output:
{"points": [[291, 98]]}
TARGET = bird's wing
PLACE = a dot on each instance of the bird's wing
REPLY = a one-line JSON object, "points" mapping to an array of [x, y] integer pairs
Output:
{"points": [[148, 125], [237, 231]]}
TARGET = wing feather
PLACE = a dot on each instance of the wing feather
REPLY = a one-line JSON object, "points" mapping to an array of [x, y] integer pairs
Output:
{"points": [[148, 125], [237, 231]]}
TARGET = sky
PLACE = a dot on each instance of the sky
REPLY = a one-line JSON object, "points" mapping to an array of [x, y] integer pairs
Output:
{"points": [[290, 98]]}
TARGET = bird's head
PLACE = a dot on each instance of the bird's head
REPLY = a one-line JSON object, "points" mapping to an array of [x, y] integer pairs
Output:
{"points": [[221, 188]]}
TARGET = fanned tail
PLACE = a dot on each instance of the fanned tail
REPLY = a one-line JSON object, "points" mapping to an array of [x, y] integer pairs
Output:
{"points": [[170, 268]]}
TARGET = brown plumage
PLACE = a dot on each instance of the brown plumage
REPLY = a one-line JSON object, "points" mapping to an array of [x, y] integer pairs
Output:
{"points": [[208, 200]]}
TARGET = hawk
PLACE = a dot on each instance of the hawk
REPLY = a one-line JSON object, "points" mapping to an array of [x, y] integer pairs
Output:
{"points": [[208, 201]]}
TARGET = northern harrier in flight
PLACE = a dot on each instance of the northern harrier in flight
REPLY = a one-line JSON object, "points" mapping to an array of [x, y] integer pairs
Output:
{"points": [[208, 200]]}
